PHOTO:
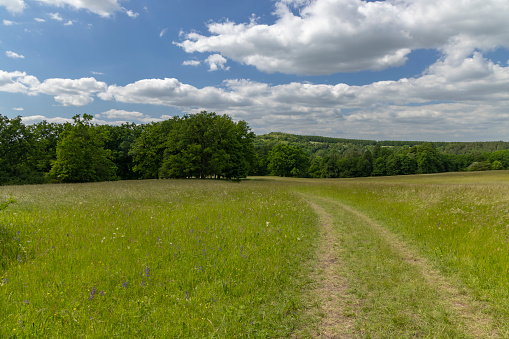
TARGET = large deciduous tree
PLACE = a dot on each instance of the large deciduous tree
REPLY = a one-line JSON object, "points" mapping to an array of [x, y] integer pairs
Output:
{"points": [[80, 154], [207, 145]]}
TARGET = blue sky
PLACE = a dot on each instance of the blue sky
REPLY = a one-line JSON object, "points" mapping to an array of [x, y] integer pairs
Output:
{"points": [[432, 70]]}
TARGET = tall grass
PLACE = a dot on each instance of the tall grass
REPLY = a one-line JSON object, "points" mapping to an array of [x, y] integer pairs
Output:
{"points": [[153, 259]]}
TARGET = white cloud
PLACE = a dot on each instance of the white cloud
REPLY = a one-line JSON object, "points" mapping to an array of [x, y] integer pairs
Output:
{"points": [[216, 61], [55, 16], [39, 20], [33, 119], [68, 23], [163, 32], [125, 116], [18, 109], [17, 82], [13, 55], [8, 22], [191, 63], [453, 100], [104, 8], [97, 73], [131, 14], [331, 36], [69, 92], [13, 6]]}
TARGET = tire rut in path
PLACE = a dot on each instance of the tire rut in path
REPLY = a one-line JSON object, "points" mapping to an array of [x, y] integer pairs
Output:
{"points": [[469, 310], [332, 286]]}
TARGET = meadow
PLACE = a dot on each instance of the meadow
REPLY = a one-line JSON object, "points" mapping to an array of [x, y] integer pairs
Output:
{"points": [[418, 256], [152, 259]]}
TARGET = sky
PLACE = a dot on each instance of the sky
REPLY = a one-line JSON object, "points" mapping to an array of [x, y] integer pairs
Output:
{"points": [[431, 70]]}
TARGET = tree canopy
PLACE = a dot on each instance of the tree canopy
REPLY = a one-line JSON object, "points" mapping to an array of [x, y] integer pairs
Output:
{"points": [[80, 154]]}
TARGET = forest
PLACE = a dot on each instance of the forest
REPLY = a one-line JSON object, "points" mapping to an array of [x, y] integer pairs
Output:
{"points": [[207, 145]]}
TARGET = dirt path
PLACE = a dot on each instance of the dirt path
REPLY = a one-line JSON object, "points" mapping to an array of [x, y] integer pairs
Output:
{"points": [[478, 324], [332, 286]]}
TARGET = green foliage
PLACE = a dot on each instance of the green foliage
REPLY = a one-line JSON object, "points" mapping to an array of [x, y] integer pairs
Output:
{"points": [[207, 145], [81, 156], [18, 163], [481, 166], [120, 140], [288, 161], [147, 151]]}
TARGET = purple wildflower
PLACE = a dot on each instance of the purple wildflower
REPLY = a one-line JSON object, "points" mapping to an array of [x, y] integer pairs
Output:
{"points": [[125, 284], [92, 293]]}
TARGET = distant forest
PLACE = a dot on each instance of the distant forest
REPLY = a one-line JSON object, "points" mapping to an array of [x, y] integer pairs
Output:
{"points": [[207, 145]]}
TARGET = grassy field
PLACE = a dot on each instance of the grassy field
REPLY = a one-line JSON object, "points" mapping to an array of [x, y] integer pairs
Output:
{"points": [[409, 256], [153, 259]]}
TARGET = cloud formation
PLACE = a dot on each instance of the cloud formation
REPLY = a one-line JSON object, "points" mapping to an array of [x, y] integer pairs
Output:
{"points": [[104, 8], [13, 6], [331, 36], [13, 55], [453, 100], [216, 62]]}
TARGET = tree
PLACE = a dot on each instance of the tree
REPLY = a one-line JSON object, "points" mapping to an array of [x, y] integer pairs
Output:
{"points": [[80, 155], [17, 152], [208, 145], [428, 159], [120, 141], [288, 161], [148, 149]]}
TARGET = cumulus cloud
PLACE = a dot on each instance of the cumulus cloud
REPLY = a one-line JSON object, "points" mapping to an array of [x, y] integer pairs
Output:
{"points": [[13, 55], [331, 36], [55, 16], [69, 92], [122, 116], [33, 119], [191, 63], [8, 22], [17, 82], [216, 62], [453, 99], [13, 6], [131, 14], [104, 8]]}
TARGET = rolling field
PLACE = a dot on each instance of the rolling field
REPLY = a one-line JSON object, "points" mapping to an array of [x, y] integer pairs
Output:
{"points": [[397, 257]]}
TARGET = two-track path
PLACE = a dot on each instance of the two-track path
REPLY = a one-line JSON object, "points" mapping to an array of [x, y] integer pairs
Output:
{"points": [[339, 306]]}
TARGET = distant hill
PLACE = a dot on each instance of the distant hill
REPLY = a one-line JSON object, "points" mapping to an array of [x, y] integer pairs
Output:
{"points": [[322, 146]]}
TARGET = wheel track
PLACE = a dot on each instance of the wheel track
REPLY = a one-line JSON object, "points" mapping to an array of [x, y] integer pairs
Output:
{"points": [[471, 312]]}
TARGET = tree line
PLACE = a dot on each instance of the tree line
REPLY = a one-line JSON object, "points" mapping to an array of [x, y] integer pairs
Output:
{"points": [[207, 145], [203, 145]]}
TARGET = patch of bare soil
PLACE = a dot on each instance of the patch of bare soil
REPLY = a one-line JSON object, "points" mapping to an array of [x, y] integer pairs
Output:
{"points": [[338, 320]]}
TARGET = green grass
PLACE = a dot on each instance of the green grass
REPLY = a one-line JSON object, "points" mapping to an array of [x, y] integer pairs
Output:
{"points": [[214, 259], [153, 259]]}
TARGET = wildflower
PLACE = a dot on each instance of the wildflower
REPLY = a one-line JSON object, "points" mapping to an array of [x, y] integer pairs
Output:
{"points": [[125, 284], [26, 302], [187, 297], [102, 293], [147, 271], [92, 294]]}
